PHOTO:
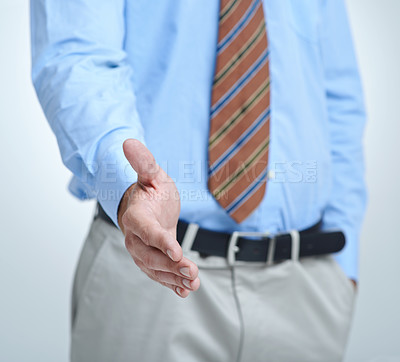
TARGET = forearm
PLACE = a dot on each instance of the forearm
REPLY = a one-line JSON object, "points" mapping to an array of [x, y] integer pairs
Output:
{"points": [[123, 206], [83, 81], [345, 107]]}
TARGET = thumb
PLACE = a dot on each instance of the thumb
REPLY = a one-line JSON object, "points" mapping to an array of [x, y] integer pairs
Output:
{"points": [[142, 160]]}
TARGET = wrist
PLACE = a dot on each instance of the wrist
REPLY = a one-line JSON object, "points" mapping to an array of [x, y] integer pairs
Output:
{"points": [[123, 205]]}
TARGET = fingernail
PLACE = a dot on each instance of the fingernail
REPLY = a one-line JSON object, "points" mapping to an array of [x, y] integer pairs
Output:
{"points": [[186, 283], [179, 290], [185, 271], [169, 252]]}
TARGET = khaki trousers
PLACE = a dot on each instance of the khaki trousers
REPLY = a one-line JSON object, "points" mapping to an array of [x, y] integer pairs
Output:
{"points": [[291, 311]]}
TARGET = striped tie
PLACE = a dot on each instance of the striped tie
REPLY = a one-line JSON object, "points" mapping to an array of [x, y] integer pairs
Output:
{"points": [[240, 112]]}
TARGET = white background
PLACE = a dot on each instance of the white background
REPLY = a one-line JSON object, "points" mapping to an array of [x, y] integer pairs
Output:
{"points": [[42, 226]]}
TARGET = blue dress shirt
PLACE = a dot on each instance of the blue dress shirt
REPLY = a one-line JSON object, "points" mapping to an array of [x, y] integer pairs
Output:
{"points": [[105, 71]]}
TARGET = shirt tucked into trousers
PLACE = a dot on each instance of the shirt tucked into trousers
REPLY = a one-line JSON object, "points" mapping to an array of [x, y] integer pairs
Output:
{"points": [[292, 311], [255, 109]]}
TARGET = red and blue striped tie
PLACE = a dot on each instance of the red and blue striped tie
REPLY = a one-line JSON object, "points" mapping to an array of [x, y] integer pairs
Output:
{"points": [[240, 109]]}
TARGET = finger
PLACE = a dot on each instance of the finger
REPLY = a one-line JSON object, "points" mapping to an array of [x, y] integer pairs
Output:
{"points": [[179, 290], [142, 160], [173, 279], [152, 234], [154, 259], [183, 293], [170, 278]]}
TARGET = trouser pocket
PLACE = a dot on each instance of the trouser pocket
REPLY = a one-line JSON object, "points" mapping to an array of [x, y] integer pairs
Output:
{"points": [[295, 311], [88, 264]]}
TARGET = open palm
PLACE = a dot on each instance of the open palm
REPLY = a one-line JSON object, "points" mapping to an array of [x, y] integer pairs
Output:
{"points": [[149, 215]]}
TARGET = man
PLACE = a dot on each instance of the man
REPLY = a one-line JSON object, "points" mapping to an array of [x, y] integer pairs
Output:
{"points": [[231, 116]]}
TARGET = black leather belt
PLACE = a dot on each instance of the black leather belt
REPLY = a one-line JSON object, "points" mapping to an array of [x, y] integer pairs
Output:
{"points": [[255, 247]]}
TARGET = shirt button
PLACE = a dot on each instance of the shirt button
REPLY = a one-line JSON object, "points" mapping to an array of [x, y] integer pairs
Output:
{"points": [[271, 175]]}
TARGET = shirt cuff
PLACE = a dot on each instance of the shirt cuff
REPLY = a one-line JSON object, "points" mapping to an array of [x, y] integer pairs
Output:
{"points": [[113, 177]]}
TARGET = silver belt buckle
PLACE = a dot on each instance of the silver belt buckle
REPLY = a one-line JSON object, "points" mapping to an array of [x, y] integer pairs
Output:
{"points": [[233, 247]]}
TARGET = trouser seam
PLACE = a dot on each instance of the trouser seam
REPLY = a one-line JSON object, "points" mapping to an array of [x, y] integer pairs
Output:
{"points": [[240, 315]]}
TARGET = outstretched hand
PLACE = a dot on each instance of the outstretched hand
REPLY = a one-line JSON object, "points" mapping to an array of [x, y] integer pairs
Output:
{"points": [[148, 215]]}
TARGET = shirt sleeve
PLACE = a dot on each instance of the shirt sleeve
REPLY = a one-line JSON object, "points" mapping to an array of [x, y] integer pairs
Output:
{"points": [[346, 112], [83, 82]]}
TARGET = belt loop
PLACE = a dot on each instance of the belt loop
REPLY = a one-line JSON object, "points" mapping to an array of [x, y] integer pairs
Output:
{"points": [[295, 244], [189, 237], [271, 251]]}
